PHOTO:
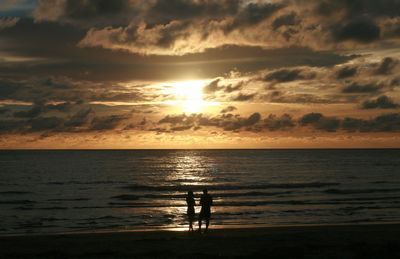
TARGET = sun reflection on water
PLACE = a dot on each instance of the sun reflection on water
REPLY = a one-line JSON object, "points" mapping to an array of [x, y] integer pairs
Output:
{"points": [[189, 170]]}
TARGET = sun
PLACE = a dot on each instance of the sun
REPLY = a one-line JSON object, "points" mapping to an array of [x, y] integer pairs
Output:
{"points": [[189, 95]]}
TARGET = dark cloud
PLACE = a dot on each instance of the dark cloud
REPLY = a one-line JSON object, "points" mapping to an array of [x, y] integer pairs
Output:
{"points": [[252, 14], [11, 126], [165, 11], [226, 121], [181, 128], [310, 118], [228, 109], [85, 13], [356, 8], [173, 119], [386, 66], [252, 119], [357, 88], [320, 122], [274, 122], [346, 72], [289, 19], [45, 123], [54, 46], [286, 75], [8, 88], [395, 82], [31, 113], [212, 87], [382, 102], [232, 88], [284, 97], [40, 108], [4, 110], [80, 118], [351, 124], [93, 8], [363, 31], [383, 123], [241, 97], [6, 22], [107, 122]]}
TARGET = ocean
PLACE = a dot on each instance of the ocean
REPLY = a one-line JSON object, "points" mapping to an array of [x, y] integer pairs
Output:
{"points": [[52, 191]]}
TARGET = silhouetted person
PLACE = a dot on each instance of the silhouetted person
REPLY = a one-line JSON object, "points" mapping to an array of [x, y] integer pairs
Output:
{"points": [[190, 208], [205, 213]]}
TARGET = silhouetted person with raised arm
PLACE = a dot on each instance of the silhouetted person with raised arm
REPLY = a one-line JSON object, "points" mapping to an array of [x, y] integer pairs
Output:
{"points": [[190, 208], [205, 212]]}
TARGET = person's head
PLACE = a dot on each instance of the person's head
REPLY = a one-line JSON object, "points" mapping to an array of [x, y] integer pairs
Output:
{"points": [[205, 191], [190, 193]]}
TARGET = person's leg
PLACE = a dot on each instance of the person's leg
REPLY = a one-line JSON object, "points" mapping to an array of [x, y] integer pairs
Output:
{"points": [[199, 224], [190, 224], [207, 223]]}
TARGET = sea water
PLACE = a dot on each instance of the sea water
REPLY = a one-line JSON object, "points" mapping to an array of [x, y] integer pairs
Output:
{"points": [[48, 191]]}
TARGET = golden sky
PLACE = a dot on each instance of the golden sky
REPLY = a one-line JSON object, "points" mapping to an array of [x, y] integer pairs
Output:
{"points": [[199, 74]]}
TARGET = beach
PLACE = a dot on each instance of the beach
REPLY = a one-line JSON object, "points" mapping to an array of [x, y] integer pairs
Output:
{"points": [[337, 241]]}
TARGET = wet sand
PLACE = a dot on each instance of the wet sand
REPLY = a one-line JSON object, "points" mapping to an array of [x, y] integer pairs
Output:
{"points": [[355, 241]]}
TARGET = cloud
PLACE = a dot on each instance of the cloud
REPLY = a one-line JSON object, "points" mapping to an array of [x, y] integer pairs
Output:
{"points": [[33, 112], [241, 97], [232, 88], [364, 31], [286, 75], [355, 8], [80, 118], [288, 19], [212, 87], [252, 14], [107, 122], [386, 66], [310, 118], [228, 109], [179, 27], [320, 122], [274, 122], [357, 88], [40, 108], [4, 110], [6, 22], [83, 12], [346, 72], [382, 102]]}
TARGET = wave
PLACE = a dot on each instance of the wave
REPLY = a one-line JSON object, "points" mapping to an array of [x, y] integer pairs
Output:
{"points": [[52, 208], [84, 182], [67, 199], [359, 191], [137, 187], [129, 197], [368, 198], [14, 192], [17, 202]]}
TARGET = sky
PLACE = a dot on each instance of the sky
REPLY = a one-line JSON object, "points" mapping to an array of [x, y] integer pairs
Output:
{"points": [[199, 74]]}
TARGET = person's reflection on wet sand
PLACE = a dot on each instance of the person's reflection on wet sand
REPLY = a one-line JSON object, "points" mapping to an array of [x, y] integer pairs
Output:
{"points": [[205, 213], [190, 209]]}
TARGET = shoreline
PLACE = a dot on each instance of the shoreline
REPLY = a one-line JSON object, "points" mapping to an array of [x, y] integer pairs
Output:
{"points": [[333, 241], [185, 229]]}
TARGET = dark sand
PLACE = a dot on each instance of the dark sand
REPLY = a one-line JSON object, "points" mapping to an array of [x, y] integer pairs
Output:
{"points": [[356, 241]]}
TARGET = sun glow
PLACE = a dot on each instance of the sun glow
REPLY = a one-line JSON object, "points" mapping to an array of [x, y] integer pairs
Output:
{"points": [[189, 95]]}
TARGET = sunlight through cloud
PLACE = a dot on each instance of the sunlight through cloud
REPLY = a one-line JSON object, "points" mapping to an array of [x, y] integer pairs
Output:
{"points": [[188, 95]]}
